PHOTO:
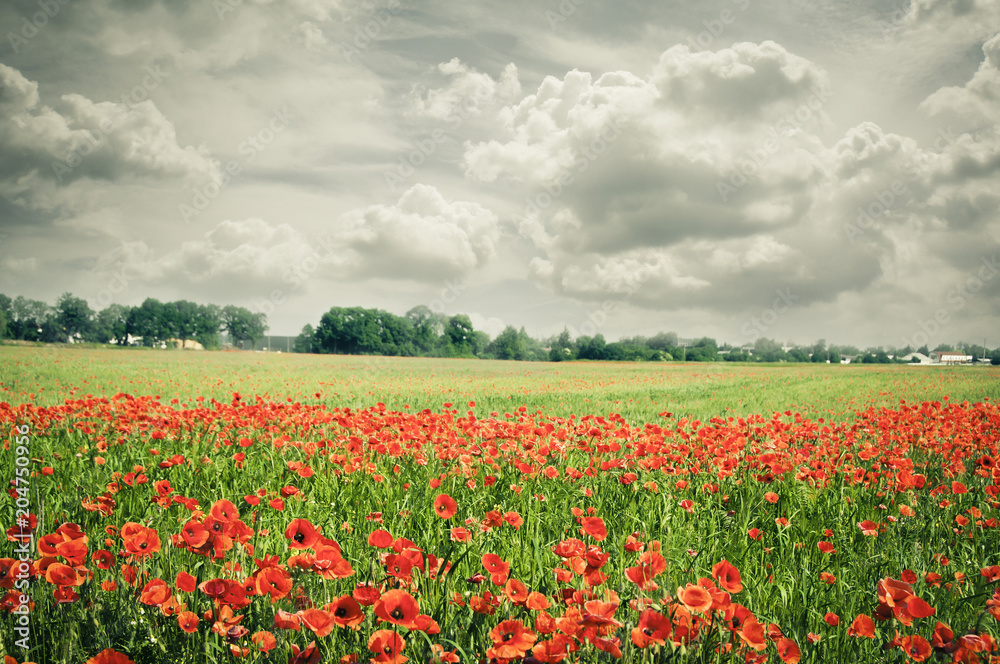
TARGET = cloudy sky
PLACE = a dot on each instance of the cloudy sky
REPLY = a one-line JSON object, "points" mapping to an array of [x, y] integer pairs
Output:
{"points": [[730, 168]]}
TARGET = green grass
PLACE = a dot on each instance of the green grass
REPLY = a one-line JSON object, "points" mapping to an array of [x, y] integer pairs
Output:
{"points": [[395, 463], [638, 391]]}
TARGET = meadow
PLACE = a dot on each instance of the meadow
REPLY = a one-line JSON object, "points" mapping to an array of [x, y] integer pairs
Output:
{"points": [[637, 391], [218, 507]]}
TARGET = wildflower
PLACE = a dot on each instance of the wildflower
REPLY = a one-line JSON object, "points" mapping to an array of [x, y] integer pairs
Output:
{"points": [[511, 640], [445, 506]]}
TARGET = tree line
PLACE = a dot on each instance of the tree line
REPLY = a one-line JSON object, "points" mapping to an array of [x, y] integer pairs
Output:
{"points": [[423, 332], [151, 323], [420, 332]]}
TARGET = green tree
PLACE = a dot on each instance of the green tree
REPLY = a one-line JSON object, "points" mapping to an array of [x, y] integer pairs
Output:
{"points": [[5, 315], [243, 325], [459, 333], [111, 325], [509, 345], [304, 342], [703, 350], [34, 320], [428, 327], [150, 323], [208, 322], [591, 348]]}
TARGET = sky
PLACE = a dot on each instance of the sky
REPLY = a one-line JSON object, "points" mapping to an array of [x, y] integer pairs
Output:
{"points": [[726, 168]]}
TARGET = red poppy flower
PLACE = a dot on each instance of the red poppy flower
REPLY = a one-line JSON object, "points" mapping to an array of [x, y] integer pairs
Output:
{"points": [[366, 595], [62, 575], [496, 567], [868, 528], [516, 591], [753, 635], [831, 619], [727, 576], [695, 598], [109, 656], [916, 647], [600, 614], [593, 526], [788, 650], [309, 655], [513, 518], [224, 510], [387, 646], [536, 601], [103, 559], [264, 641], [771, 497], [380, 539], [140, 541], [397, 607], [864, 626], [569, 548], [195, 534], [301, 534], [653, 628], [445, 506], [273, 581], [346, 611], [825, 547], [943, 635], [285, 620], [188, 621], [320, 622], [155, 592], [74, 552], [511, 639], [185, 582]]}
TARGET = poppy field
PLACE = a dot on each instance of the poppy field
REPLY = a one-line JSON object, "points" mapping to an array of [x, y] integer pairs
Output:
{"points": [[397, 522]]}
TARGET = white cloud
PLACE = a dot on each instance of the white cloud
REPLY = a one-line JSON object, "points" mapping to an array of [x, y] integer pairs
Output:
{"points": [[98, 140], [423, 237], [978, 101], [468, 92], [20, 266], [249, 257]]}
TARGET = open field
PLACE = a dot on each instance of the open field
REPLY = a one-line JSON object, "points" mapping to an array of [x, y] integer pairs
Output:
{"points": [[637, 391], [282, 526]]}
